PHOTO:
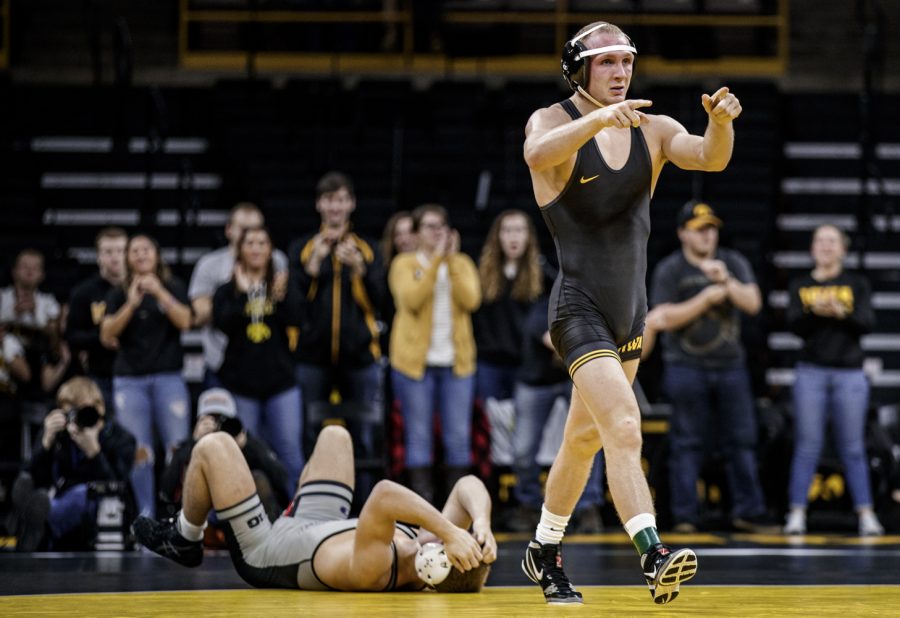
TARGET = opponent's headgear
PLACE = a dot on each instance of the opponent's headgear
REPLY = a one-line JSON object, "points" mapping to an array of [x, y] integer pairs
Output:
{"points": [[432, 564], [574, 52]]}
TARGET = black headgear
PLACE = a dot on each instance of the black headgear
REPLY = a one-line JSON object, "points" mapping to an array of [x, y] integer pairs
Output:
{"points": [[574, 52]]}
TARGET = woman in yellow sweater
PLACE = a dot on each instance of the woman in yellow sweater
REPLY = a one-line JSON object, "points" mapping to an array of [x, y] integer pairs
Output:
{"points": [[432, 350]]}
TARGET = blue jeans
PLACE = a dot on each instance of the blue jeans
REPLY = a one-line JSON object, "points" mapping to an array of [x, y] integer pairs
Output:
{"points": [[278, 421], [710, 405], [533, 407], [497, 381], [453, 397], [149, 406], [71, 511], [841, 396]]}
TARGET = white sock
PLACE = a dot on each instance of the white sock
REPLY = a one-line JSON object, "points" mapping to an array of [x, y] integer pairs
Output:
{"points": [[639, 522], [188, 530], [551, 528]]}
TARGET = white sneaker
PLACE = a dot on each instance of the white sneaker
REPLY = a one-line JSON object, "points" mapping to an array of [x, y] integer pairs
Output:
{"points": [[869, 525], [795, 523]]}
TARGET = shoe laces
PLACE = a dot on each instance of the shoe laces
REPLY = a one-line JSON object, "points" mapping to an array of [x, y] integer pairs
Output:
{"points": [[553, 568], [655, 556]]}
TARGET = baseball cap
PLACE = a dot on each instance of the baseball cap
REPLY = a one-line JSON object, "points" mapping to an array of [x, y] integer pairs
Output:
{"points": [[696, 214], [216, 401]]}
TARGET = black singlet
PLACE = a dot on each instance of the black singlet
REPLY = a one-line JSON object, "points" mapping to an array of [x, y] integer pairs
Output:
{"points": [[600, 224]]}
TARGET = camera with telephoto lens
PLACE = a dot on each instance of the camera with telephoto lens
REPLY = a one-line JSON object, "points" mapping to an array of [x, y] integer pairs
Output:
{"points": [[84, 417], [229, 424]]}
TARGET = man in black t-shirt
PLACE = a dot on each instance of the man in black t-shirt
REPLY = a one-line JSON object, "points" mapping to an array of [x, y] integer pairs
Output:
{"points": [[87, 307], [698, 295]]}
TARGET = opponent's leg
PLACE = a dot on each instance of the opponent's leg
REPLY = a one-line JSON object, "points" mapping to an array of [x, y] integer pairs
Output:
{"points": [[218, 477], [332, 458]]}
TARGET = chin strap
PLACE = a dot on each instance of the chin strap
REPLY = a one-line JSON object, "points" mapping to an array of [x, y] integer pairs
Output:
{"points": [[585, 94]]}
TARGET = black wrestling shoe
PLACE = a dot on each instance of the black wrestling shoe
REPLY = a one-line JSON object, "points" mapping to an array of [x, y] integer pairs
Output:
{"points": [[665, 569], [543, 566], [163, 538]]}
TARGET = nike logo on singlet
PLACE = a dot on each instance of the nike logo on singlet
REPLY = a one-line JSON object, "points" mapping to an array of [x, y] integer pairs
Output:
{"points": [[587, 180]]}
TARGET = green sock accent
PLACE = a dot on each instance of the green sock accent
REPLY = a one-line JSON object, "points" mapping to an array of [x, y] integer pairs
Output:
{"points": [[645, 539]]}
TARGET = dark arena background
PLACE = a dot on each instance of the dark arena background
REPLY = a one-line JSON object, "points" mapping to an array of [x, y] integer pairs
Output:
{"points": [[159, 116]]}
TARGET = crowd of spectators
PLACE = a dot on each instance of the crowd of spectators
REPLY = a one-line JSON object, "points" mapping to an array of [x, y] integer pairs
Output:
{"points": [[344, 327]]}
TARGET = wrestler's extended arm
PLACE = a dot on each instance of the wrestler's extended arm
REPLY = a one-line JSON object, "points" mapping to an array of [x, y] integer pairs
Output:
{"points": [[469, 505], [389, 503], [552, 137], [710, 153]]}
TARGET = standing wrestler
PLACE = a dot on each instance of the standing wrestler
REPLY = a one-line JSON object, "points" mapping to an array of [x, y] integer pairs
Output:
{"points": [[594, 160]]}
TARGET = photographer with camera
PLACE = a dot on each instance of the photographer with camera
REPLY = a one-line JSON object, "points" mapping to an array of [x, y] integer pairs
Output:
{"points": [[77, 451], [216, 411]]}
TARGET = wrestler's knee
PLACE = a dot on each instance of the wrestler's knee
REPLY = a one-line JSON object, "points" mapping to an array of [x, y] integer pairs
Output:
{"points": [[624, 433], [583, 440], [334, 436], [212, 443], [334, 432]]}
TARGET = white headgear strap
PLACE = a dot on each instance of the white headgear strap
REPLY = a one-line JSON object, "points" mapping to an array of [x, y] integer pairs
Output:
{"points": [[600, 50], [587, 32], [603, 50]]}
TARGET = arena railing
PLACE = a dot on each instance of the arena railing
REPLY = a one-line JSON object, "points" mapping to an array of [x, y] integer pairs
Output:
{"points": [[4, 32], [699, 43]]}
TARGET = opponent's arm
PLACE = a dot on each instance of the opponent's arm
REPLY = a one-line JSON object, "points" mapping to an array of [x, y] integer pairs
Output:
{"points": [[469, 505], [389, 503], [552, 137], [712, 152]]}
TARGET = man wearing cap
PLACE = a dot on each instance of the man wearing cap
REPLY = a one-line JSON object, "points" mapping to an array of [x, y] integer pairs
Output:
{"points": [[216, 411], [594, 160], [698, 295]]}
